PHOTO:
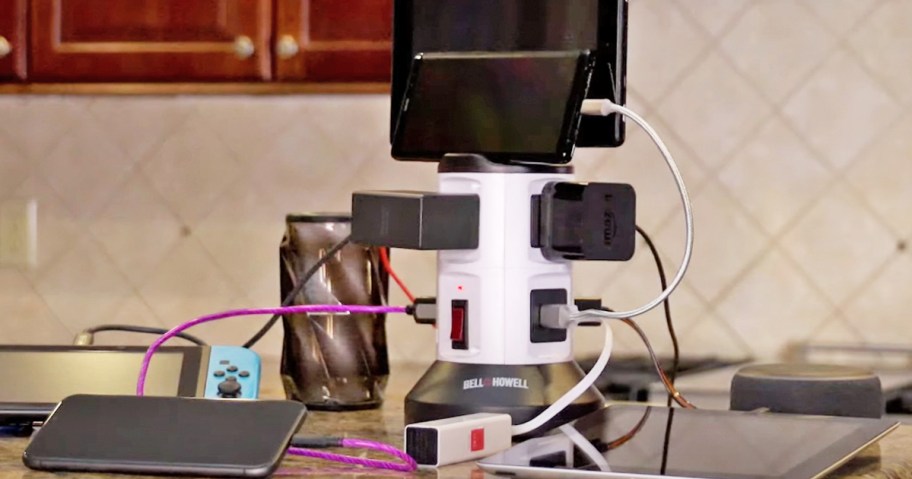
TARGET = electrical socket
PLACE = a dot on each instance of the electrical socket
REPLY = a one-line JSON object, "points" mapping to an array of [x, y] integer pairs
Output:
{"points": [[19, 232]]}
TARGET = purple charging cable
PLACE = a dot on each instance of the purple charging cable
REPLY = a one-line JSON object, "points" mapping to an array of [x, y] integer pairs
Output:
{"points": [[408, 463], [307, 308]]}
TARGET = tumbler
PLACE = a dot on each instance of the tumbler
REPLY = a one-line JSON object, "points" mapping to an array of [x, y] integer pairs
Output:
{"points": [[332, 361]]}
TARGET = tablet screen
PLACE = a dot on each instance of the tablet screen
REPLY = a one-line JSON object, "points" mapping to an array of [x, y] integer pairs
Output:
{"points": [[656, 441], [503, 106], [47, 376]]}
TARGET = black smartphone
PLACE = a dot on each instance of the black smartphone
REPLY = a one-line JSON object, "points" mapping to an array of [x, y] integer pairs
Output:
{"points": [[507, 107], [165, 435]]}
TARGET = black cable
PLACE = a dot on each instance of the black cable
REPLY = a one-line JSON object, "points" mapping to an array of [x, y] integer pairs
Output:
{"points": [[666, 442], [127, 328], [671, 330], [290, 297], [311, 442]]}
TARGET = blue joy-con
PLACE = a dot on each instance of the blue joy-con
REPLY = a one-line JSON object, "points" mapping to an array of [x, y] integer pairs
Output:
{"points": [[234, 372]]}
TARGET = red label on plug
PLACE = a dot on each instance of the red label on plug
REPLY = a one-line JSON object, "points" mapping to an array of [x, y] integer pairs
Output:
{"points": [[477, 441]]}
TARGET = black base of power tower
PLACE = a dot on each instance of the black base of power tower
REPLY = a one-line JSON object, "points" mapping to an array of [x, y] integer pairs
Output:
{"points": [[450, 389]]}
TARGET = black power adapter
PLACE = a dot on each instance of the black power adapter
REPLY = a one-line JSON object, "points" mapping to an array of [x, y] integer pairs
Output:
{"points": [[418, 220], [585, 221]]}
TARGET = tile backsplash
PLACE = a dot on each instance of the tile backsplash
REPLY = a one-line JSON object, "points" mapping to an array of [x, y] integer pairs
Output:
{"points": [[791, 121]]}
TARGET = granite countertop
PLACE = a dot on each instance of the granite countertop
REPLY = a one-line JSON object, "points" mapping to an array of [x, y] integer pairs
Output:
{"points": [[890, 458]]}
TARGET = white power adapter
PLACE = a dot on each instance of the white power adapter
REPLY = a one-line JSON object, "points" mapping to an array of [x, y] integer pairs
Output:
{"points": [[457, 439]]}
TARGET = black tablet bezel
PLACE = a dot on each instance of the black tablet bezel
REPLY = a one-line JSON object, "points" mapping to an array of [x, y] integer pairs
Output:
{"points": [[12, 413], [564, 148]]}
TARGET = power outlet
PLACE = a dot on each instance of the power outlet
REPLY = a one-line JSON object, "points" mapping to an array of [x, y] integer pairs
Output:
{"points": [[19, 233]]}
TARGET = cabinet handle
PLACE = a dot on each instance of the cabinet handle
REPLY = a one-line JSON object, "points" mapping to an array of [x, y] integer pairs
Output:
{"points": [[287, 47], [5, 47], [243, 47]]}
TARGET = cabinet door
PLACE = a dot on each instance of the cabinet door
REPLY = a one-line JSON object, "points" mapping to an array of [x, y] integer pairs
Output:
{"points": [[150, 40], [12, 39], [334, 40]]}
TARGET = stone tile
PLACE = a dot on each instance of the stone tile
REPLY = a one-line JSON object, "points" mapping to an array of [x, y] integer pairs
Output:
{"points": [[883, 173], [774, 305], [841, 15], [14, 167], [139, 124], [881, 312], [711, 337], [188, 284], [27, 319], [775, 177], [247, 251], [713, 110], [83, 287], [136, 229], [839, 244], [777, 55], [85, 168], [662, 43], [726, 241], [37, 123], [840, 109], [191, 170], [883, 41], [715, 15]]}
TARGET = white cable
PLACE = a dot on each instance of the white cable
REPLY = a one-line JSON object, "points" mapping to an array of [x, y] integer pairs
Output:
{"points": [[586, 447], [573, 393], [605, 108]]}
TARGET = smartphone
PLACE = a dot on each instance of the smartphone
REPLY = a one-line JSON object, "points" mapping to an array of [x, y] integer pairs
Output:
{"points": [[507, 107], [165, 435]]}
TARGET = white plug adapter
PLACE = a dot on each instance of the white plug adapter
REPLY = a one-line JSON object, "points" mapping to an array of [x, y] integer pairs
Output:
{"points": [[457, 439]]}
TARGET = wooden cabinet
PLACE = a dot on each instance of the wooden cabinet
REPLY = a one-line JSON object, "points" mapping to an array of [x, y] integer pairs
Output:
{"points": [[13, 43], [333, 40], [150, 40], [195, 46]]}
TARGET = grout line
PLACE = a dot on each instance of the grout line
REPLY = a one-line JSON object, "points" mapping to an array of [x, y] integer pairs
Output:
{"points": [[860, 58], [726, 28], [842, 174], [702, 55], [32, 284], [154, 148], [811, 278]]}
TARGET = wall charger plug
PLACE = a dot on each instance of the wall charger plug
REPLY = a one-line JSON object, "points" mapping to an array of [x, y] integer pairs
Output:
{"points": [[457, 439]]}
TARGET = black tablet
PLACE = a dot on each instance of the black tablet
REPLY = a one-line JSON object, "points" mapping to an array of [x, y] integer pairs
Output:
{"points": [[36, 378], [600, 26], [642, 441], [165, 435], [522, 106]]}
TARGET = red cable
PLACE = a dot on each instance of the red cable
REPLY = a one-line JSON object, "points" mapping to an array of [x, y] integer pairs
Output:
{"points": [[384, 258]]}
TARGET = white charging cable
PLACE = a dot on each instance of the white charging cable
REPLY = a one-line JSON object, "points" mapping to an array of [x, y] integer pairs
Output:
{"points": [[586, 447], [573, 393], [605, 108]]}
